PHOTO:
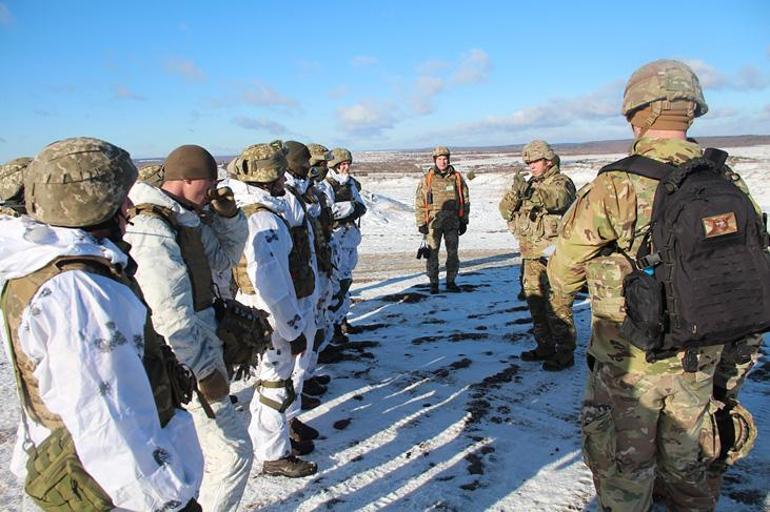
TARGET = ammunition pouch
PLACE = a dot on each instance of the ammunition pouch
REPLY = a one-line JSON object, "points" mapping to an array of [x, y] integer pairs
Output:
{"points": [[645, 311], [277, 384], [57, 481], [299, 262], [244, 331]]}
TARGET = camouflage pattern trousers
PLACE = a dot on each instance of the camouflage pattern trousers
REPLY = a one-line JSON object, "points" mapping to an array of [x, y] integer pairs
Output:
{"points": [[452, 241], [637, 425], [554, 328]]}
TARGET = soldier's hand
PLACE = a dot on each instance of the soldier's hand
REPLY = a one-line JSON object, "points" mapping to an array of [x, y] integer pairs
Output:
{"points": [[423, 229], [214, 386], [298, 344], [462, 229], [222, 201], [519, 183]]}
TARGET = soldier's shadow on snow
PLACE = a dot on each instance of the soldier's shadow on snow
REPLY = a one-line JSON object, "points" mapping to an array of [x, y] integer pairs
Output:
{"points": [[443, 417]]}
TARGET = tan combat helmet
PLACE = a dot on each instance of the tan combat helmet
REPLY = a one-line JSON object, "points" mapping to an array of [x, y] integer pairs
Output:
{"points": [[261, 163], [441, 151], [151, 174], [12, 178], [317, 153], [338, 155], [78, 182], [537, 150], [660, 86]]}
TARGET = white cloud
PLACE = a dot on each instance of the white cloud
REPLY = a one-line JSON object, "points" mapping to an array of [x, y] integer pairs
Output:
{"points": [[184, 68], [124, 93], [364, 60], [366, 117], [709, 77], [262, 95], [426, 87], [6, 18], [474, 67], [749, 77], [260, 124]]}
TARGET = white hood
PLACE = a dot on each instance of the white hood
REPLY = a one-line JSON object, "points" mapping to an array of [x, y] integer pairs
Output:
{"points": [[246, 194], [142, 193], [298, 184], [339, 178]]}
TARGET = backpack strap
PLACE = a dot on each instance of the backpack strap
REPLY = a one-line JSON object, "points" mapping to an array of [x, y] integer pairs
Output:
{"points": [[642, 166]]}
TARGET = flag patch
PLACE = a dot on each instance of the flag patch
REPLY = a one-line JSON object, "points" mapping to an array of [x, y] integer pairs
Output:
{"points": [[719, 225]]}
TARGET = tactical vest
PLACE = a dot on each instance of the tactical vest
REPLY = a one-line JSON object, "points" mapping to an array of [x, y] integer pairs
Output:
{"points": [[55, 477], [445, 195], [299, 258], [191, 246], [321, 236], [343, 192]]}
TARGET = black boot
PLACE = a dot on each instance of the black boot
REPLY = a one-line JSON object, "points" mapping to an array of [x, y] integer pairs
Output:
{"points": [[538, 354], [350, 329], [290, 466], [301, 447], [323, 380], [339, 337], [559, 361], [313, 388], [433, 288], [301, 431], [452, 287], [308, 402]]}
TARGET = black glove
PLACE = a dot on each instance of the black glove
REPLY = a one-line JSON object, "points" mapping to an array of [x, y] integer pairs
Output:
{"points": [[222, 201], [192, 506], [298, 345], [533, 213], [423, 229], [462, 229]]}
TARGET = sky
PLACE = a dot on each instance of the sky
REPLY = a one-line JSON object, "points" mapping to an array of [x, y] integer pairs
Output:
{"points": [[366, 75]]}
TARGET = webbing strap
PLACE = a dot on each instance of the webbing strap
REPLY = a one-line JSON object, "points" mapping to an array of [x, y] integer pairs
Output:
{"points": [[642, 166], [288, 384]]}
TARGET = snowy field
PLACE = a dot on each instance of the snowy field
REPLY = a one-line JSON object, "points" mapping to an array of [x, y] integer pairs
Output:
{"points": [[432, 408]]}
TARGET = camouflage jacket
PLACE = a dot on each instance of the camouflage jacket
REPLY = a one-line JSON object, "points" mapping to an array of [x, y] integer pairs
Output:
{"points": [[442, 199], [614, 210], [534, 220]]}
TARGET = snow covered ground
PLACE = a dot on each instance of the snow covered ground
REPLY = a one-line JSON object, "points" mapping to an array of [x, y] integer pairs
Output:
{"points": [[432, 408]]}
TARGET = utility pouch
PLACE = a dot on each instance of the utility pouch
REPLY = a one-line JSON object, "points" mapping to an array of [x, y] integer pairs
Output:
{"points": [[180, 378], [244, 331], [56, 480], [645, 313]]}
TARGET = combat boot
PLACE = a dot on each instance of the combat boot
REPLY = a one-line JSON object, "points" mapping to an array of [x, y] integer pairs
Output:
{"points": [[538, 354], [301, 447], [313, 388], [290, 466], [330, 354], [323, 380], [308, 402], [339, 337], [559, 361], [452, 287], [350, 329], [433, 288], [302, 431]]}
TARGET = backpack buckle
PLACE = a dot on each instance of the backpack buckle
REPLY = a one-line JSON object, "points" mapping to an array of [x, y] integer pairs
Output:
{"points": [[649, 261]]}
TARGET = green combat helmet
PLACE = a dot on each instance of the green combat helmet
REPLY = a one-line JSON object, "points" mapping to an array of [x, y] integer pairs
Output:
{"points": [[317, 153], [537, 150], [12, 185], [660, 84], [262, 163], [441, 151], [297, 158], [151, 174], [338, 155], [78, 182]]}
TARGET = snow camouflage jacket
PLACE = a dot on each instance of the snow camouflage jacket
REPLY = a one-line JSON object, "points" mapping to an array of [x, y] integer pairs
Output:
{"points": [[614, 211], [442, 204], [165, 281], [71, 335], [535, 222]]}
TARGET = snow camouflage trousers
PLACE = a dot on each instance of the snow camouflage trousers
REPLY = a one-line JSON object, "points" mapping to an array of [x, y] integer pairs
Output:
{"points": [[637, 425], [554, 328], [452, 240]]}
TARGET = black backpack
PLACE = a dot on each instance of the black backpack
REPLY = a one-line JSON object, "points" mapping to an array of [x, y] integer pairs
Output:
{"points": [[702, 275]]}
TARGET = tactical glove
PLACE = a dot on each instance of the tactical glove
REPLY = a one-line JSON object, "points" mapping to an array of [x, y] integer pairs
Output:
{"points": [[462, 229], [214, 386], [222, 201], [423, 229], [520, 184], [298, 345]]}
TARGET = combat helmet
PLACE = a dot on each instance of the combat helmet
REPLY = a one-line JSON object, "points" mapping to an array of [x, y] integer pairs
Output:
{"points": [[261, 163], [663, 85], [441, 151], [737, 433], [151, 174], [537, 150], [338, 155], [12, 178], [297, 157], [317, 153], [78, 182]]}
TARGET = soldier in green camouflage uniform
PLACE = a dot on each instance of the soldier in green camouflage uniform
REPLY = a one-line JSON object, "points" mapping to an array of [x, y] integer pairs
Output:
{"points": [[638, 418], [12, 187], [441, 208], [533, 210]]}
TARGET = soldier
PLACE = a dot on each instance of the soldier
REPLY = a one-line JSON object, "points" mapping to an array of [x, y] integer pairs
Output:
{"points": [[343, 193], [12, 187], [272, 274], [639, 417], [91, 372], [151, 174], [178, 245], [533, 210], [441, 208]]}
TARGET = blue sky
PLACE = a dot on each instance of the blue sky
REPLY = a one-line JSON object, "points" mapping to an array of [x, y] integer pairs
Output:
{"points": [[149, 76]]}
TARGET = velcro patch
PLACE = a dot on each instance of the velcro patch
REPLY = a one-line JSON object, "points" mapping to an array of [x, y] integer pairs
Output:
{"points": [[719, 225], [449, 188]]}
